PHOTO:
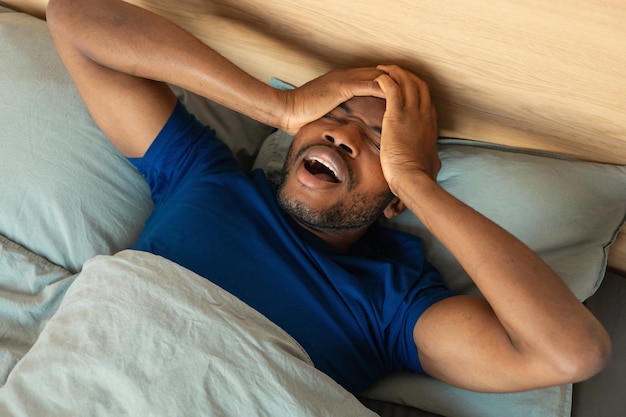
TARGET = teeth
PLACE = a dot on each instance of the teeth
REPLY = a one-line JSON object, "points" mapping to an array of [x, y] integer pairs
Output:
{"points": [[330, 168]]}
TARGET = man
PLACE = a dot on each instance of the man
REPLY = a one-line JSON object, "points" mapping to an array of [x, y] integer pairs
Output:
{"points": [[359, 298]]}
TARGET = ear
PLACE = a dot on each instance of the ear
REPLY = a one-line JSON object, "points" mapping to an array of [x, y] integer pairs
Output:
{"points": [[394, 208]]}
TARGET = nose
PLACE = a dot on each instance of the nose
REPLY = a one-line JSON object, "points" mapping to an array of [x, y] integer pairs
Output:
{"points": [[342, 145], [345, 137]]}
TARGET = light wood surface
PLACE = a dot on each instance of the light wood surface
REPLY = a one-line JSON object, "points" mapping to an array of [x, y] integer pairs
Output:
{"points": [[534, 74]]}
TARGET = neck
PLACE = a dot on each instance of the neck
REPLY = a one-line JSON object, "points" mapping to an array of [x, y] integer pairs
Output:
{"points": [[342, 240]]}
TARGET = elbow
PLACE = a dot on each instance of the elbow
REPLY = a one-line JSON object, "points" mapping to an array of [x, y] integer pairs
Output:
{"points": [[53, 11], [64, 18], [596, 359], [589, 358], [57, 13]]}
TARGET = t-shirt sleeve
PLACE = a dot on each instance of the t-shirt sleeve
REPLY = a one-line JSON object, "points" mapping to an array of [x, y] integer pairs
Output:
{"points": [[421, 294], [183, 146], [417, 302]]}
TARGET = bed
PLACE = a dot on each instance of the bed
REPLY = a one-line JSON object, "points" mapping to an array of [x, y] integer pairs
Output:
{"points": [[533, 134]]}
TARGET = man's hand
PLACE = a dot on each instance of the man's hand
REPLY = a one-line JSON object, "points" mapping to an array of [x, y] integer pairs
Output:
{"points": [[320, 95], [409, 130]]}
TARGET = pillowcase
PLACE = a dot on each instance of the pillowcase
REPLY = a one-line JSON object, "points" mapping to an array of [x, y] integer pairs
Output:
{"points": [[568, 211], [67, 193]]}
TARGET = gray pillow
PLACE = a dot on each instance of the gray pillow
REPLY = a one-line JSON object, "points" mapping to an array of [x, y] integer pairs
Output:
{"points": [[67, 193], [567, 211]]}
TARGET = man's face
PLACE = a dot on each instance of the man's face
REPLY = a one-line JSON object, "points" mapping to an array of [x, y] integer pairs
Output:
{"points": [[332, 179]]}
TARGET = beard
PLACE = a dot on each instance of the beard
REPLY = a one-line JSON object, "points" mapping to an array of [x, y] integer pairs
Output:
{"points": [[357, 211]]}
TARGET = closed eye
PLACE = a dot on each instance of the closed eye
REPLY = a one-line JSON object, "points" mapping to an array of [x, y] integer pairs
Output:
{"points": [[332, 117], [374, 143], [371, 138]]}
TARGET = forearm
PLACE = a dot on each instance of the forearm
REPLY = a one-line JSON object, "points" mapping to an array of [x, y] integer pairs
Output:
{"points": [[132, 40], [532, 303]]}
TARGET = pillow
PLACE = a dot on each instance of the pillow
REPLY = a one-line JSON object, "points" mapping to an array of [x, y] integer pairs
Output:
{"points": [[568, 211], [68, 194]]}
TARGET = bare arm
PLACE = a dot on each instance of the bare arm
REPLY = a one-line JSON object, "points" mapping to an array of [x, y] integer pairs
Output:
{"points": [[529, 331], [121, 57]]}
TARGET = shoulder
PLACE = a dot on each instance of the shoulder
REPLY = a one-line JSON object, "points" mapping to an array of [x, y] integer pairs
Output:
{"points": [[183, 148]]}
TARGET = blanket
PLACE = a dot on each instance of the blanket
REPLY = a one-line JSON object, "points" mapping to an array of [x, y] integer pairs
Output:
{"points": [[138, 335], [31, 289]]}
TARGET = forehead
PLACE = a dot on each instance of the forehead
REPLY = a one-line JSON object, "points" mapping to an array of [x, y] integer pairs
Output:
{"points": [[369, 109]]}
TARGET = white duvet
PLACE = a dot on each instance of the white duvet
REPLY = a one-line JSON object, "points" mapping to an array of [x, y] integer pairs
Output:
{"points": [[137, 335]]}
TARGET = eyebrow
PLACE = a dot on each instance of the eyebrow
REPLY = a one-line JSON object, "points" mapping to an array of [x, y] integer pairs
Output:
{"points": [[346, 109]]}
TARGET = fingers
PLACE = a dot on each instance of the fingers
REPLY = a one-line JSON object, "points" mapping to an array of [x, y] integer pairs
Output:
{"points": [[362, 82], [403, 87], [393, 96], [409, 124], [322, 94], [413, 90]]}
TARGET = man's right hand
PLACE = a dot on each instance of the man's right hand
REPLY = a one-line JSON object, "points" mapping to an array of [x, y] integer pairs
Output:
{"points": [[321, 95]]}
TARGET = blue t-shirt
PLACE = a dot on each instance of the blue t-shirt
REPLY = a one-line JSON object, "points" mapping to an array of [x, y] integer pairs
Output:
{"points": [[353, 312]]}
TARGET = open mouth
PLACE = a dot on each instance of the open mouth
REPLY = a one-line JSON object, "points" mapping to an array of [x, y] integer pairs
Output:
{"points": [[319, 169]]}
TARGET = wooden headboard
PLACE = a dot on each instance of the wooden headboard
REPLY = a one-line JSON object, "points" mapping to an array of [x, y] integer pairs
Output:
{"points": [[536, 74]]}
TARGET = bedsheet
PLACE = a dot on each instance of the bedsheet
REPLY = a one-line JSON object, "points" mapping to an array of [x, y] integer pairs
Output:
{"points": [[139, 335], [31, 289]]}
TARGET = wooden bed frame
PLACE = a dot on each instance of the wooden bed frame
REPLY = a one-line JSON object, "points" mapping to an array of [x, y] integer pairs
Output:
{"points": [[527, 73]]}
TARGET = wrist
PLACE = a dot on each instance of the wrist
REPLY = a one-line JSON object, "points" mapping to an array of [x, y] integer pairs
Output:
{"points": [[421, 194], [409, 181], [272, 107], [268, 105]]}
